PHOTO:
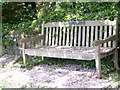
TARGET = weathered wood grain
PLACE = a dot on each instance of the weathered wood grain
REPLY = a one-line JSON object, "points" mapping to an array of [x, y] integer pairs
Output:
{"points": [[79, 23], [98, 42], [73, 52], [80, 40], [68, 37], [79, 36], [87, 36], [83, 36], [46, 36]]}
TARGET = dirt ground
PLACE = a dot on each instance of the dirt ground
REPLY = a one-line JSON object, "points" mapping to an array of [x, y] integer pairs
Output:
{"points": [[45, 76]]}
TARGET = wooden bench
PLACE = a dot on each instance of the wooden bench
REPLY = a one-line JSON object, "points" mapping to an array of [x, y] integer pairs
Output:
{"points": [[81, 40]]}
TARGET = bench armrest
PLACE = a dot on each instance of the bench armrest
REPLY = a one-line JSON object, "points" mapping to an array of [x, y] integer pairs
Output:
{"points": [[98, 42], [36, 38]]}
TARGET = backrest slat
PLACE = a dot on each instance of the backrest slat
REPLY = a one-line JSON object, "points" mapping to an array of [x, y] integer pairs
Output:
{"points": [[46, 36], [50, 32], [116, 29], [64, 32], [53, 36], [100, 33], [96, 32], [110, 33], [60, 38], [42, 32], [79, 36], [75, 36], [87, 36], [71, 34], [114, 32], [91, 35], [57, 32], [83, 35], [105, 34], [68, 37]]}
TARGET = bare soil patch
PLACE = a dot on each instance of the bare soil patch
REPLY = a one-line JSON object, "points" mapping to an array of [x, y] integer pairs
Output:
{"points": [[45, 76]]}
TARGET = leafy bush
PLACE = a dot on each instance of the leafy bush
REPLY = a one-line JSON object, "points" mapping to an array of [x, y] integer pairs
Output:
{"points": [[65, 11]]}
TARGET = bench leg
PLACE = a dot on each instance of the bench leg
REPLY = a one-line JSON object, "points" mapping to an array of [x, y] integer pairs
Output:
{"points": [[42, 58], [23, 53], [98, 67], [116, 58], [24, 57], [98, 62]]}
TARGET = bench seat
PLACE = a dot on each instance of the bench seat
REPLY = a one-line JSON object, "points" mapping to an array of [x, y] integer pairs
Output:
{"points": [[70, 52]]}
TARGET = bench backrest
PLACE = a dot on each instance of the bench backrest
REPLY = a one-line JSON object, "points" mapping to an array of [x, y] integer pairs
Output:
{"points": [[78, 33]]}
